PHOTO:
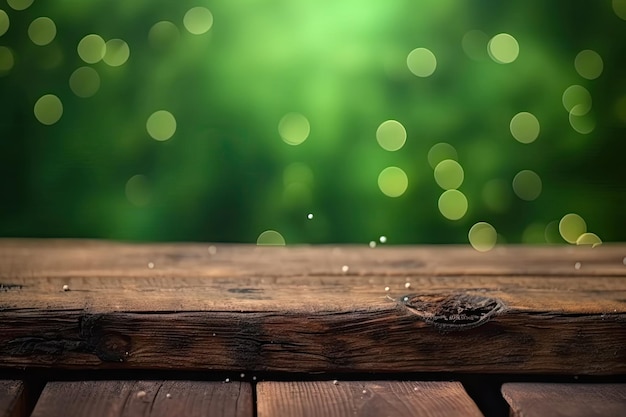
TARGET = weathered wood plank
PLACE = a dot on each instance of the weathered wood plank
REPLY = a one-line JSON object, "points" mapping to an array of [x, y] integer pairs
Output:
{"points": [[353, 341], [565, 400], [145, 399], [294, 309], [186, 277], [371, 398], [85, 258], [11, 399]]}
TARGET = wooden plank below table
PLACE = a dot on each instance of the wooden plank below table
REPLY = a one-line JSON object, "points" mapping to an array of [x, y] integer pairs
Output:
{"points": [[145, 399], [370, 398], [410, 309], [11, 398], [565, 400]]}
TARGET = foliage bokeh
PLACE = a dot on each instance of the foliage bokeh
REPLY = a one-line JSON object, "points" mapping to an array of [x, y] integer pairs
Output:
{"points": [[226, 174]]}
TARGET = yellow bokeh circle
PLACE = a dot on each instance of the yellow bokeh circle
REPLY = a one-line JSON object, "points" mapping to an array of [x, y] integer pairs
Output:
{"points": [[571, 227], [270, 238], [393, 181], [503, 48], [421, 62], [48, 109], [391, 135], [294, 128], [161, 125], [452, 204], [483, 236], [524, 127]]}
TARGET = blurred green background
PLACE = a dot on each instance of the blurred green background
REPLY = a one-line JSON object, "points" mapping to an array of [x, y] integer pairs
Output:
{"points": [[219, 120]]}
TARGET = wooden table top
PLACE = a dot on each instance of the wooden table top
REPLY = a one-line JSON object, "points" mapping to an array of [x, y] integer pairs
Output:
{"points": [[83, 304], [103, 329]]}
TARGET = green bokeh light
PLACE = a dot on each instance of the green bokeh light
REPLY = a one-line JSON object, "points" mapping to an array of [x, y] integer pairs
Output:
{"points": [[42, 31], [264, 112]]}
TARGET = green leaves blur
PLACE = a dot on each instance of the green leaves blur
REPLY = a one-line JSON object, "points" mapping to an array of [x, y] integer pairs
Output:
{"points": [[226, 174]]}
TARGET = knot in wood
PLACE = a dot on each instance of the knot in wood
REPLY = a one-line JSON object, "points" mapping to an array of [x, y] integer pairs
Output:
{"points": [[450, 312]]}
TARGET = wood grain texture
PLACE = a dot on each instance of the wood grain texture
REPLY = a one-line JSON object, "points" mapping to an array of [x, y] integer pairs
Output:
{"points": [[371, 399], [11, 398], [565, 400], [83, 258], [512, 310], [145, 399]]}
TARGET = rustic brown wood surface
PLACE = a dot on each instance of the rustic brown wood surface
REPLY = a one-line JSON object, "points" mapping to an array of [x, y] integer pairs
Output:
{"points": [[145, 399], [11, 398], [369, 398], [565, 400], [237, 307]]}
